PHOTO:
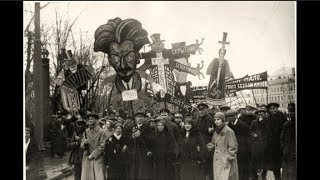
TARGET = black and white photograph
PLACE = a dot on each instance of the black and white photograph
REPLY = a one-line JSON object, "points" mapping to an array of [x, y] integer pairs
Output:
{"points": [[177, 90]]}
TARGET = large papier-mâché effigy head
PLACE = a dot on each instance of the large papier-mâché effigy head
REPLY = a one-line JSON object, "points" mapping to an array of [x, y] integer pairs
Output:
{"points": [[121, 40]]}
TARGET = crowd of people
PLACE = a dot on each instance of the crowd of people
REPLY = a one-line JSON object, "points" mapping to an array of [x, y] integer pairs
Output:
{"points": [[211, 144]]}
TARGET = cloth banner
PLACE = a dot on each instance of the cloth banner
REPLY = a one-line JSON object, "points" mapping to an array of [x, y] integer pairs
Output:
{"points": [[257, 81], [173, 100]]}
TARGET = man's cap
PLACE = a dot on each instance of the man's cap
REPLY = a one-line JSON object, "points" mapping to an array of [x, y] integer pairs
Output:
{"points": [[260, 110], [112, 118], [231, 112], [79, 121], [202, 105], [273, 104], [224, 108], [158, 118], [262, 105], [291, 106], [92, 115], [165, 110], [250, 107], [141, 113], [177, 115], [242, 107]]}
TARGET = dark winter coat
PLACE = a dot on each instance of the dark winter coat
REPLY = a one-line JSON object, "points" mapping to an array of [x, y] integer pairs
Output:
{"points": [[116, 158], [242, 132], [273, 148], [203, 124], [76, 152], [163, 152], [61, 140], [248, 118], [288, 146], [32, 160], [259, 143], [141, 165], [190, 158]]}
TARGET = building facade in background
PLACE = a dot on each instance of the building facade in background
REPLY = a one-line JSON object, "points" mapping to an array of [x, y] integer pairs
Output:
{"points": [[281, 89]]}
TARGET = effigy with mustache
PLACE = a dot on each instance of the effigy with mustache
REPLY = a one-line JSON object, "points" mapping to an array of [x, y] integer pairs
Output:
{"points": [[122, 40]]}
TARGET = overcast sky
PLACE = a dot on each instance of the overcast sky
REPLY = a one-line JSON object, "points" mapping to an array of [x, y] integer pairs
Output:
{"points": [[261, 34]]}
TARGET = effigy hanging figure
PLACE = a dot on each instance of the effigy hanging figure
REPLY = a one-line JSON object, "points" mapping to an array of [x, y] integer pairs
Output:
{"points": [[219, 71], [122, 40]]}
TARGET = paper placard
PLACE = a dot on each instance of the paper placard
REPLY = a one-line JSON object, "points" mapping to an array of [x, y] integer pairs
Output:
{"points": [[129, 95]]}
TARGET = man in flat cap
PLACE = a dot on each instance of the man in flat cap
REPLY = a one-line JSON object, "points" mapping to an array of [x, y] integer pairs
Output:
{"points": [[241, 130], [224, 109], [249, 115], [174, 130], [259, 133], [277, 119], [93, 143], [140, 144], [288, 146], [205, 126]]}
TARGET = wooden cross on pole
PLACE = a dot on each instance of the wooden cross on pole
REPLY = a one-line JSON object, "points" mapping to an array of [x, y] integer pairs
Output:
{"points": [[160, 62], [224, 40], [224, 43]]}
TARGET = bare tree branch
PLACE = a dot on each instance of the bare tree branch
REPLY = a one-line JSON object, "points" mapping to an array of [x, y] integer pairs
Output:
{"points": [[28, 26]]}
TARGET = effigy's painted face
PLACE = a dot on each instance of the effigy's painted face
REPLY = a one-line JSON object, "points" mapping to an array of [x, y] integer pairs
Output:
{"points": [[123, 58]]}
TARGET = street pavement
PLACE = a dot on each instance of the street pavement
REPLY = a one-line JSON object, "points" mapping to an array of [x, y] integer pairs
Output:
{"points": [[57, 168]]}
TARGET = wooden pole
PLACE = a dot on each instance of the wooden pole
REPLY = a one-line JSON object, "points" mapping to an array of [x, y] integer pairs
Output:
{"points": [[37, 74], [238, 100], [267, 96], [254, 98], [243, 98], [132, 113]]}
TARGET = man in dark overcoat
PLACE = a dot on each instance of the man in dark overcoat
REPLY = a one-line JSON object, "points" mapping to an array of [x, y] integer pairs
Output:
{"points": [[140, 144], [241, 130], [205, 127], [288, 146], [277, 119]]}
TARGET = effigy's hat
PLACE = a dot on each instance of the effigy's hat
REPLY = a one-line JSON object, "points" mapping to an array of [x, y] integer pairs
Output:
{"points": [[155, 38]]}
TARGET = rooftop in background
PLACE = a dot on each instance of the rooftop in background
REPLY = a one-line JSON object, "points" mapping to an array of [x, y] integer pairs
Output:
{"points": [[282, 73]]}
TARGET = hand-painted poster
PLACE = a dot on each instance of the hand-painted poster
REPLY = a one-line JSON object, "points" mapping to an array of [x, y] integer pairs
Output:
{"points": [[257, 81]]}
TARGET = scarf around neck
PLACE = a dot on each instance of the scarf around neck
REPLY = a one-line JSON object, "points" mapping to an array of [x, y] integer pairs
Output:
{"points": [[220, 127]]}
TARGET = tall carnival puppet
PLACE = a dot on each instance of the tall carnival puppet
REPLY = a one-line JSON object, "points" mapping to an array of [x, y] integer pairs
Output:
{"points": [[69, 82], [122, 40], [219, 71]]}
